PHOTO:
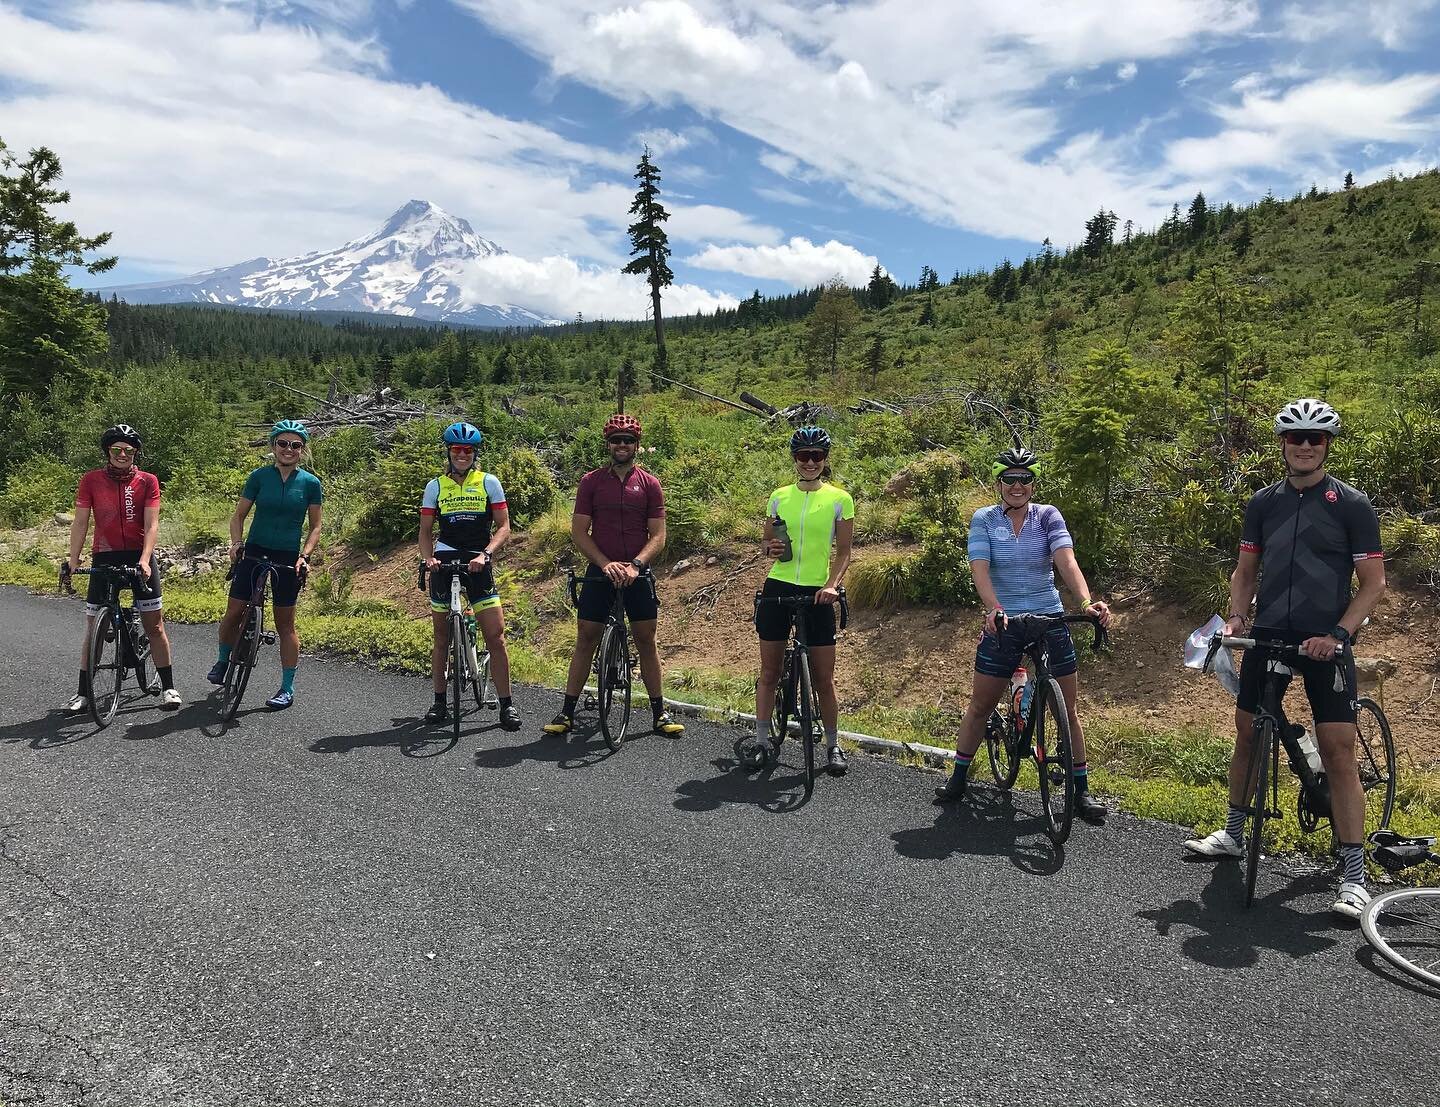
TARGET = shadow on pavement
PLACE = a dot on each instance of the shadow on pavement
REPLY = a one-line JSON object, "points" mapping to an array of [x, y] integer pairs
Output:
{"points": [[557, 749], [765, 789], [410, 734], [50, 730], [191, 716], [984, 824], [1228, 935], [1382, 968]]}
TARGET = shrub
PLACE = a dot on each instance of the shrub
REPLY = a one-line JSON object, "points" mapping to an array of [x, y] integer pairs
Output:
{"points": [[881, 581], [36, 489], [530, 490], [177, 418], [1413, 550], [341, 454], [393, 511]]}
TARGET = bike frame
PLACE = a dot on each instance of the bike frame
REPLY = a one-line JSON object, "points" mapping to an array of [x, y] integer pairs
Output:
{"points": [[128, 653]]}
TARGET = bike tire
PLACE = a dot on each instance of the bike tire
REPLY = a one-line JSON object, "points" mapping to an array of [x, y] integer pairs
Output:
{"points": [[1262, 752], [1375, 754], [459, 668], [613, 684], [805, 716], [1054, 760], [481, 681], [106, 670], [242, 660], [146, 674], [1003, 750], [1403, 927], [784, 700]]}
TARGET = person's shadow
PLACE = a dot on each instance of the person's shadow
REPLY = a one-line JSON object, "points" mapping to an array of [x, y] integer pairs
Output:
{"points": [[985, 823], [53, 729], [1228, 935], [579, 749], [193, 716], [410, 734], [777, 788]]}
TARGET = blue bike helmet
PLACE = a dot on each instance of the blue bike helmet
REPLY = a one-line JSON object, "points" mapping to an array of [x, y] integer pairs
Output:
{"points": [[810, 438], [462, 434], [294, 426]]}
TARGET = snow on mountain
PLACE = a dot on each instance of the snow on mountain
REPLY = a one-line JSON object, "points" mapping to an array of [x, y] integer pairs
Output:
{"points": [[423, 262]]}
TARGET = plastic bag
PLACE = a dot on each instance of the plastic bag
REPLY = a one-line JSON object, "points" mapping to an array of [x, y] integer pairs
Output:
{"points": [[1223, 665]]}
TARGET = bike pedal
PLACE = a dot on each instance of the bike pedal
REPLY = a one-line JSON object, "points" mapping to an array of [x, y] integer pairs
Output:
{"points": [[268, 638]]}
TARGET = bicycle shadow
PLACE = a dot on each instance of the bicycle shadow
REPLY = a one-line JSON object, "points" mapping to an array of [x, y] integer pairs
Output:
{"points": [[739, 784], [410, 734], [985, 823], [554, 749], [1382, 968], [191, 716], [1228, 935], [51, 731]]}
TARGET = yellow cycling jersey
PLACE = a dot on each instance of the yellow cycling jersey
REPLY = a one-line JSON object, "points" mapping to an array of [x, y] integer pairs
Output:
{"points": [[810, 518]]}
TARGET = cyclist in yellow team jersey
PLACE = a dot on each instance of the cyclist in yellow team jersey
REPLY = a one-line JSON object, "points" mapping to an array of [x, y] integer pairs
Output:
{"points": [[815, 515], [463, 517]]}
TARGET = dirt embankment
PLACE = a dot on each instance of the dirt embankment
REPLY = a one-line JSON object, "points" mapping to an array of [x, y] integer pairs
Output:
{"points": [[924, 656]]}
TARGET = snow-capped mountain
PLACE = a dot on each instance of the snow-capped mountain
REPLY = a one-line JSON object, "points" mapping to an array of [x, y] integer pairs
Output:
{"points": [[422, 263]]}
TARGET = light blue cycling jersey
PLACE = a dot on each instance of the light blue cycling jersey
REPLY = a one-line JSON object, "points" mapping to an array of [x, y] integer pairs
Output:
{"points": [[1022, 566]]}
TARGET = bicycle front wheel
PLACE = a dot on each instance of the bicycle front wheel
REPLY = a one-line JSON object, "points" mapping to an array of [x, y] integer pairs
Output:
{"points": [[1404, 928], [1055, 759], [242, 660], [1264, 741], [1004, 753], [480, 680], [613, 686], [459, 668], [805, 716], [107, 667], [1375, 755]]}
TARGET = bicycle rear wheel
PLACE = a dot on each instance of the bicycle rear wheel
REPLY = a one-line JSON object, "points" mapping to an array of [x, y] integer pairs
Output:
{"points": [[107, 667], [784, 699], [613, 685], [480, 681], [805, 716], [1004, 753], [1404, 928], [1264, 742], [459, 668], [141, 661], [1055, 759], [1375, 754], [242, 660]]}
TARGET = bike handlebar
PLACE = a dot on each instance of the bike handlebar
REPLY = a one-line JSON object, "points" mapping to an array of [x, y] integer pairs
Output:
{"points": [[798, 602], [573, 580], [1045, 622], [444, 569], [129, 572], [303, 574], [1283, 649]]}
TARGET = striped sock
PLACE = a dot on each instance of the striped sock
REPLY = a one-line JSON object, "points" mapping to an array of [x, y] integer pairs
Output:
{"points": [[1352, 862], [1235, 823], [962, 763], [1082, 777]]}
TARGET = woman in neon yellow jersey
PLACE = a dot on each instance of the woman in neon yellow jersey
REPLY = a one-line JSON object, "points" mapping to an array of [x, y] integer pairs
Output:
{"points": [[816, 514]]}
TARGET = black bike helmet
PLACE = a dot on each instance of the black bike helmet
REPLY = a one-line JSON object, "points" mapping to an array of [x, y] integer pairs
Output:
{"points": [[1017, 457], [810, 438], [120, 432]]}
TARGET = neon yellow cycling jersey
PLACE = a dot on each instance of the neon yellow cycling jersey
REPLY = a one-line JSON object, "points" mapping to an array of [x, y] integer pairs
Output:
{"points": [[810, 518]]}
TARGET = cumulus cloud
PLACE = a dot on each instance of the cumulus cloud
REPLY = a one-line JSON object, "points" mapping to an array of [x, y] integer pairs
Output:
{"points": [[799, 262], [561, 286], [1127, 71]]}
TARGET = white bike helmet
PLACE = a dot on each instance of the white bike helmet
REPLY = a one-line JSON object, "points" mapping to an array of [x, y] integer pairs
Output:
{"points": [[1308, 415]]}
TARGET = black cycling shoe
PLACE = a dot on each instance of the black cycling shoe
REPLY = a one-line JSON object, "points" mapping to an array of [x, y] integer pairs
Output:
{"points": [[509, 717], [438, 713], [754, 754], [836, 761], [1090, 809], [954, 787]]}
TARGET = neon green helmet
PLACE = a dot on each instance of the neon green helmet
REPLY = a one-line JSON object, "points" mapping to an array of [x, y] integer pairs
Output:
{"points": [[1017, 457]]}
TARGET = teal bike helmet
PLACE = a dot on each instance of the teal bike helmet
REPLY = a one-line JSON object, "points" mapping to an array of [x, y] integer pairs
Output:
{"points": [[294, 426], [462, 434]]}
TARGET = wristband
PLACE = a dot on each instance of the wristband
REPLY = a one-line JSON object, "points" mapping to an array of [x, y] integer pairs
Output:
{"points": [[1084, 602]]}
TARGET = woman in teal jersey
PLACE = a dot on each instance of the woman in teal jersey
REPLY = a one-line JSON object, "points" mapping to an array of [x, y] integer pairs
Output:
{"points": [[816, 514], [285, 497]]}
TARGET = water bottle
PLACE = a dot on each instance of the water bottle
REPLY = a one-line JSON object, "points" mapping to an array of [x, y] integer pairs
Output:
{"points": [[1306, 742], [1021, 694], [781, 533]]}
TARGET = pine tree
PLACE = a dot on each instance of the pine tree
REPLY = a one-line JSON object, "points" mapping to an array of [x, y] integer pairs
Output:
{"points": [[880, 292], [1099, 233], [1351, 204], [650, 245], [927, 313], [1243, 239], [1198, 217], [955, 280], [834, 317], [875, 358], [1349, 181]]}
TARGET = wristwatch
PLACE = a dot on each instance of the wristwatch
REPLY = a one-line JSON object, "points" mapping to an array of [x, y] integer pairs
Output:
{"points": [[639, 565], [1340, 634]]}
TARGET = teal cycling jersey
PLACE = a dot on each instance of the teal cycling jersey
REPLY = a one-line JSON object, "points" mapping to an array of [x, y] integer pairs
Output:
{"points": [[280, 506]]}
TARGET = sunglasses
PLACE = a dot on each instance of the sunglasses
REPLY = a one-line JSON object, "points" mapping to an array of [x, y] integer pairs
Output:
{"points": [[1017, 478], [1305, 438], [121, 451], [810, 457], [622, 440], [289, 445], [462, 449]]}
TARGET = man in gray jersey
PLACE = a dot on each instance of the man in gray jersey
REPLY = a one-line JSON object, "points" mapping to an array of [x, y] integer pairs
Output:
{"points": [[1302, 539]]}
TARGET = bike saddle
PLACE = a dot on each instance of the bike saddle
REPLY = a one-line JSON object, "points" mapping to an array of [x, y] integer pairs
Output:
{"points": [[1396, 858]]}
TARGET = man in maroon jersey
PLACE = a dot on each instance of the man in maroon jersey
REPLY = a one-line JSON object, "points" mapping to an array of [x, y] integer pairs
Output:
{"points": [[125, 504]]}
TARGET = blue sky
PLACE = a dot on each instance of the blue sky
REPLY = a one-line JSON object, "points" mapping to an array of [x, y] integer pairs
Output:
{"points": [[799, 140]]}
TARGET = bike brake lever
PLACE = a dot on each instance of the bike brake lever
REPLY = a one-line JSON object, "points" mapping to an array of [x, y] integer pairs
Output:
{"points": [[1215, 643]]}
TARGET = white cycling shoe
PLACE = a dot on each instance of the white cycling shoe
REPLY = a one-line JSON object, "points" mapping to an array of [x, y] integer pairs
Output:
{"points": [[1351, 901], [1217, 845], [170, 699], [77, 706]]}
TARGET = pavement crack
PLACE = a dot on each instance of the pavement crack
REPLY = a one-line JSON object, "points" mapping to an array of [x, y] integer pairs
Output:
{"points": [[7, 837]]}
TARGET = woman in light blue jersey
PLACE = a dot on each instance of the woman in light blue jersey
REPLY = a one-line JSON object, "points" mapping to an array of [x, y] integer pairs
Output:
{"points": [[1016, 547]]}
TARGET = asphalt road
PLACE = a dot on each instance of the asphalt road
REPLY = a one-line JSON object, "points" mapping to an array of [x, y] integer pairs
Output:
{"points": [[333, 906]]}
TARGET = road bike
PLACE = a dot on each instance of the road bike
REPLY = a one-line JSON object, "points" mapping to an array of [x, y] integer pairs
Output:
{"points": [[614, 665], [252, 634], [1374, 752], [795, 696], [1041, 728], [468, 665], [1403, 926], [118, 643]]}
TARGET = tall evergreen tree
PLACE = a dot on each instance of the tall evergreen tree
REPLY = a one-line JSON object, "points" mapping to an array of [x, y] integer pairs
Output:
{"points": [[1349, 180], [1197, 220], [875, 358], [881, 290], [650, 245], [834, 317]]}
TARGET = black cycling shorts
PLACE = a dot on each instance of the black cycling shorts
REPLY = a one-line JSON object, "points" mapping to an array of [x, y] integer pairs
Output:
{"points": [[1326, 704], [284, 585], [772, 620], [479, 587], [597, 596], [97, 594]]}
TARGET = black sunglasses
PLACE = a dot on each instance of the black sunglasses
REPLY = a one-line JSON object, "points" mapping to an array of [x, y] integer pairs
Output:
{"points": [[1017, 478], [813, 457], [1306, 438], [622, 440]]}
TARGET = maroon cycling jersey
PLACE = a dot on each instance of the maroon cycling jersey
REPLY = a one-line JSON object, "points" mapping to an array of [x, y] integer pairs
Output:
{"points": [[117, 505], [620, 510]]}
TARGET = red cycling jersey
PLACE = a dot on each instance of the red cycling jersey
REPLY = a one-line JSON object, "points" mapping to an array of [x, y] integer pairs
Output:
{"points": [[118, 505]]}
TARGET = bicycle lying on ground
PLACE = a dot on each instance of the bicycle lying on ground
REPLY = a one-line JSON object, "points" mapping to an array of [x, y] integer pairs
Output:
{"points": [[1404, 925], [252, 635], [118, 643], [1374, 752], [467, 666], [1042, 730], [795, 695], [614, 665]]}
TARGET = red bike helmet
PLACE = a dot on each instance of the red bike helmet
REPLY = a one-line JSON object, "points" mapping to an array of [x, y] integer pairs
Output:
{"points": [[618, 424]]}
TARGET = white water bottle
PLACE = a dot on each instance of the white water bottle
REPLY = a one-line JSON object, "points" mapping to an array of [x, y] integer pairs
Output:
{"points": [[1306, 742], [1020, 693]]}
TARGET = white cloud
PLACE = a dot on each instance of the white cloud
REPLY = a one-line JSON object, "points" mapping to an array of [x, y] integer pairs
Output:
{"points": [[561, 286], [1127, 71], [784, 196], [1392, 23], [799, 262]]}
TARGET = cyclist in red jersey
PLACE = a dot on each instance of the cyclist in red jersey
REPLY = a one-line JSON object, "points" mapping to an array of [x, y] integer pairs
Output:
{"points": [[124, 502]]}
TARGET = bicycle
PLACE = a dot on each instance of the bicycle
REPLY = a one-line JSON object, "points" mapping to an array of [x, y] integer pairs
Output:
{"points": [[614, 665], [1021, 731], [118, 643], [467, 665], [252, 636], [1403, 926], [794, 693], [1272, 730]]}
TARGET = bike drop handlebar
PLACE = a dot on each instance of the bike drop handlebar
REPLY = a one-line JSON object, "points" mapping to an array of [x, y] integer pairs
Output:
{"points": [[444, 569], [572, 581], [1285, 650], [128, 572], [1043, 623], [799, 602]]}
